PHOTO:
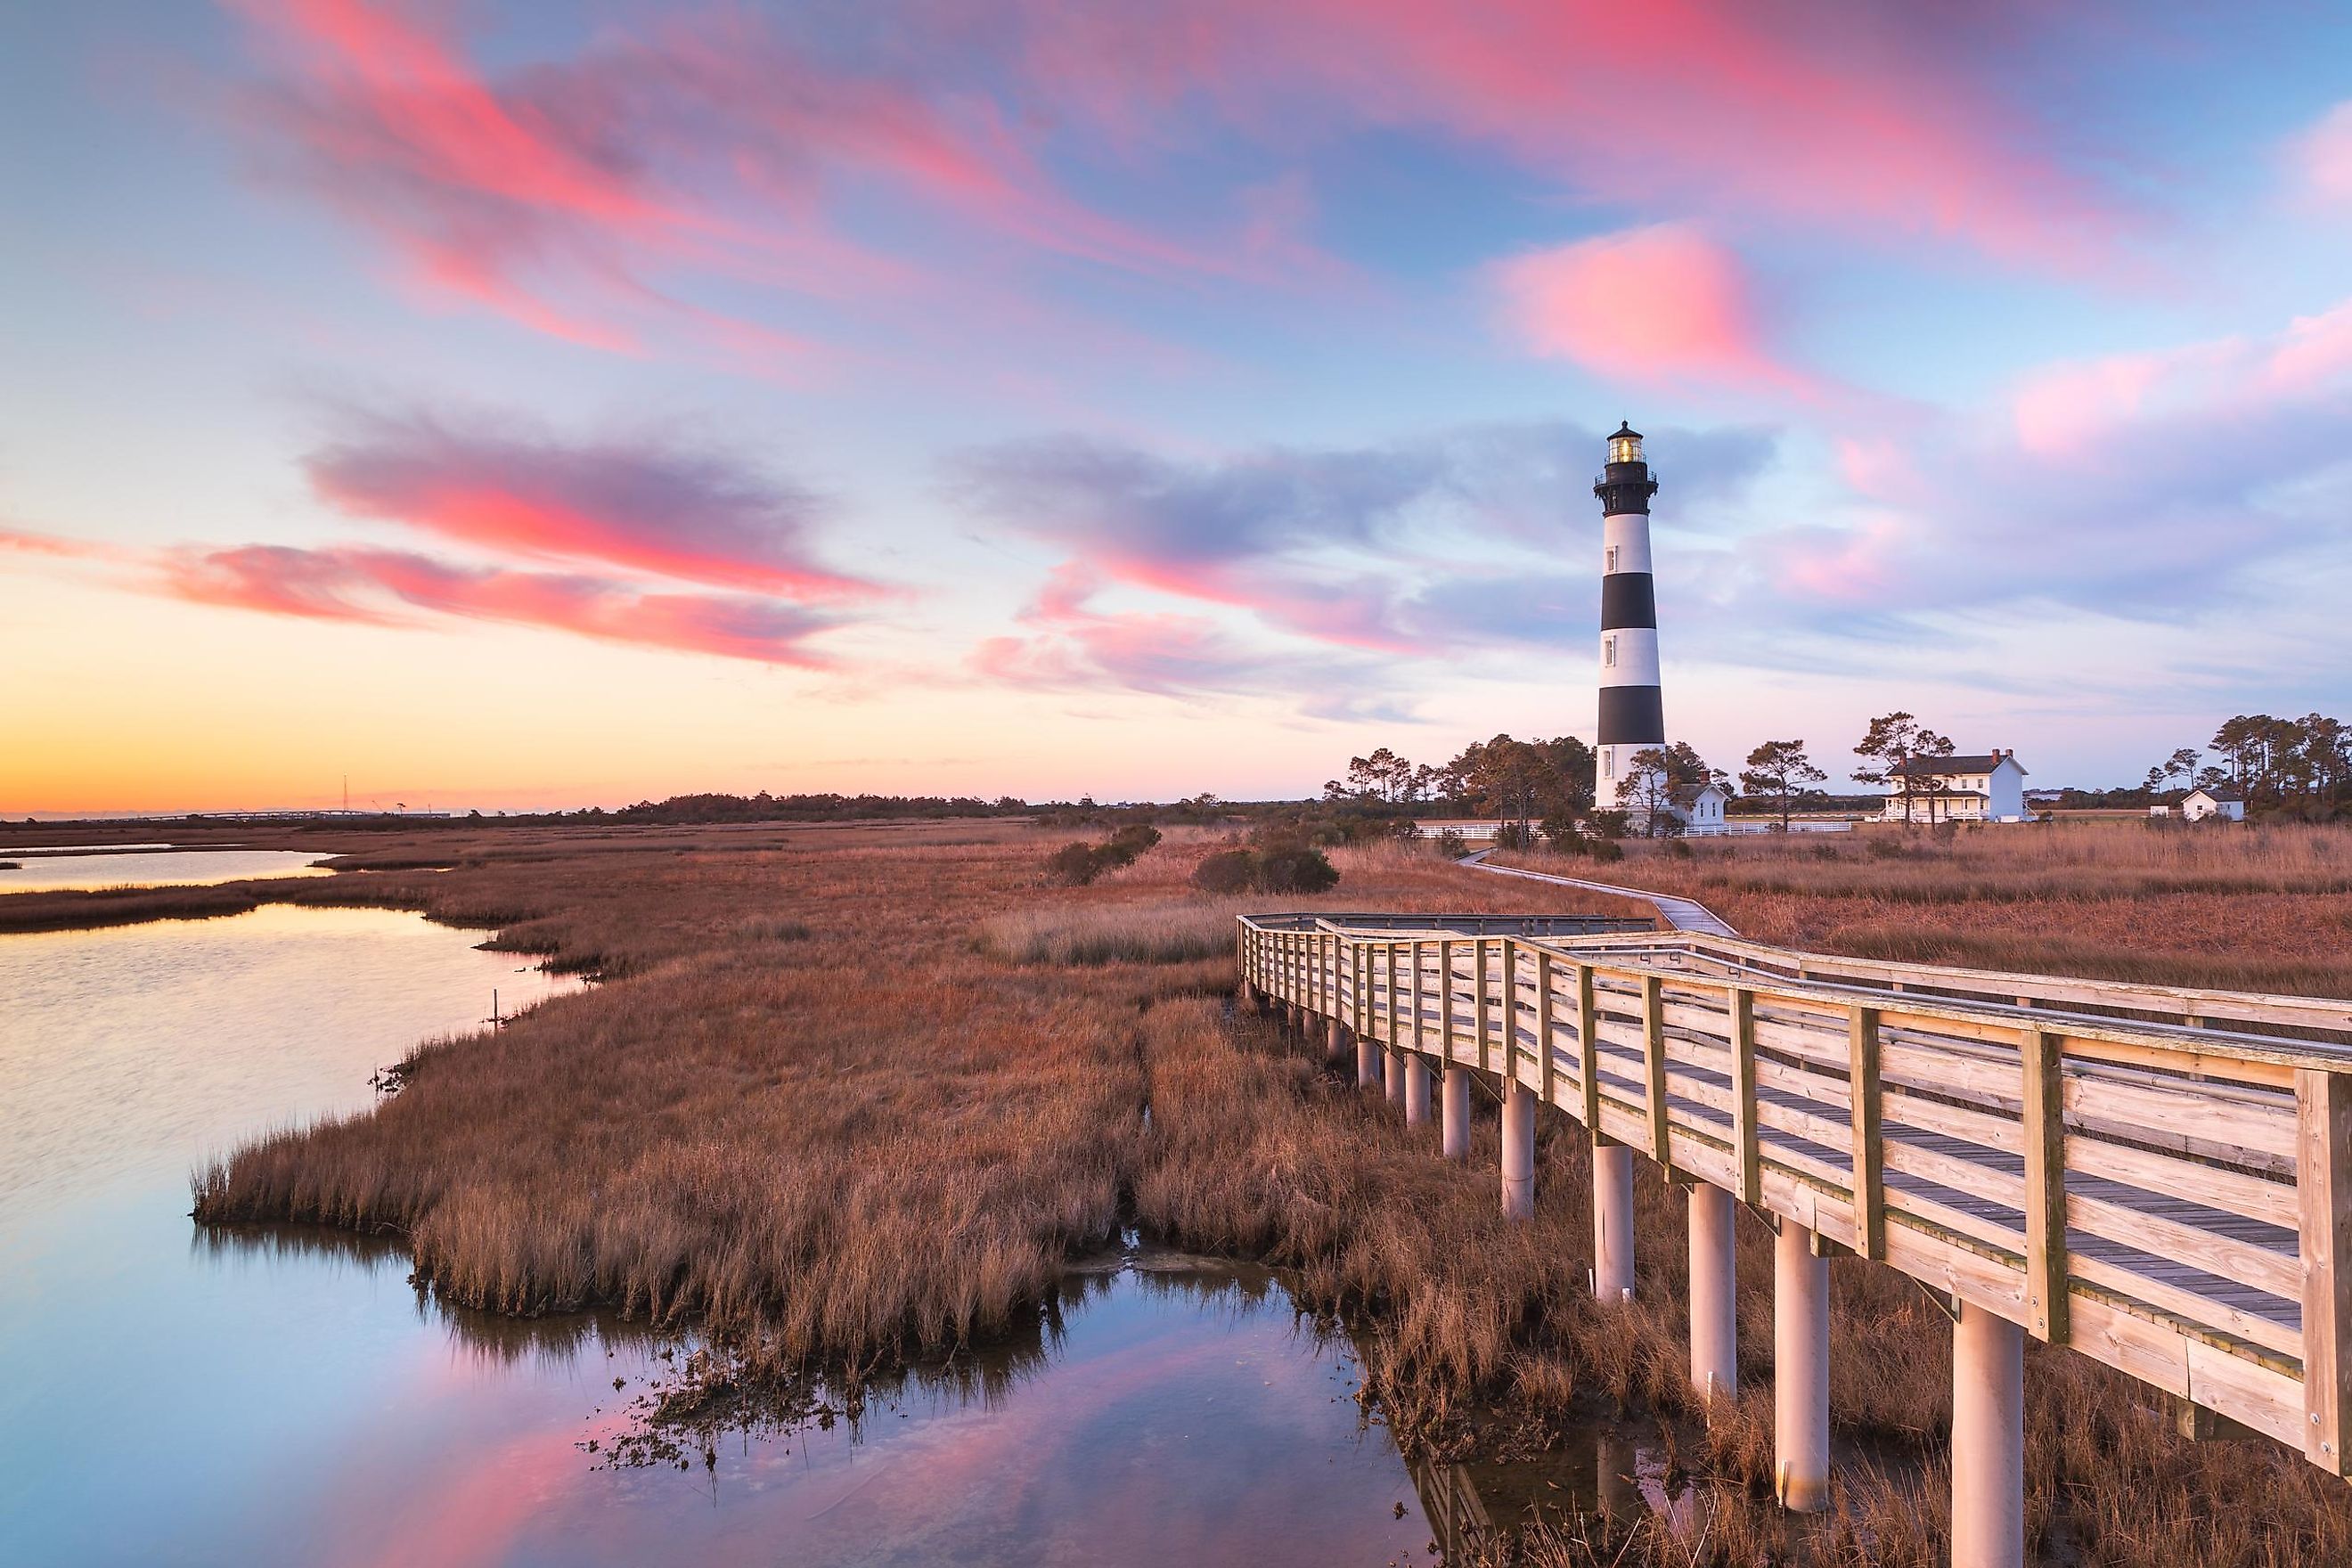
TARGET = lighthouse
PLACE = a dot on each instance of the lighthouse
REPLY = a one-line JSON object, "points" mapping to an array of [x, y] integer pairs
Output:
{"points": [[1632, 718]]}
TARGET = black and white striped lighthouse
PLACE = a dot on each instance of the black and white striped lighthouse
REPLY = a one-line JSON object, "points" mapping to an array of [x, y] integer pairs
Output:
{"points": [[1632, 717]]}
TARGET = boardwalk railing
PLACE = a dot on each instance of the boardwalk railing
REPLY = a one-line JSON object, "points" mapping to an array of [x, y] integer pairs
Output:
{"points": [[2160, 1178]]}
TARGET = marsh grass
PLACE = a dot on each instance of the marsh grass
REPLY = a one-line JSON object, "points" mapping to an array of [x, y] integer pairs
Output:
{"points": [[1169, 932], [2261, 909], [877, 1142]]}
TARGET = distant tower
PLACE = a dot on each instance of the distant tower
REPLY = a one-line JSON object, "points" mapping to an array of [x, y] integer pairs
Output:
{"points": [[1632, 718]]}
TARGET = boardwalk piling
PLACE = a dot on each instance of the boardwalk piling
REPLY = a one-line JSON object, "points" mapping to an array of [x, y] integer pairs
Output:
{"points": [[1518, 1152], [1800, 1371], [1456, 1112], [1612, 1221], [1335, 1044], [1392, 1072], [1714, 1293], [1987, 1440], [1416, 1091], [1368, 1062]]}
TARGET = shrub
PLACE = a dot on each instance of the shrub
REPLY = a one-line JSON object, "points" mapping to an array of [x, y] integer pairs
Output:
{"points": [[1605, 849], [1291, 868], [1513, 836], [1227, 871], [1300, 870], [1075, 864], [1452, 844], [1404, 827]]}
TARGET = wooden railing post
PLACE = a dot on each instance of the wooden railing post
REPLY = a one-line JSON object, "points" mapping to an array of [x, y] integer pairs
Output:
{"points": [[2045, 1185], [1869, 1152], [1545, 1070], [1588, 1050], [1480, 1016], [1416, 995], [2323, 1180], [1654, 1065], [1747, 1144]]}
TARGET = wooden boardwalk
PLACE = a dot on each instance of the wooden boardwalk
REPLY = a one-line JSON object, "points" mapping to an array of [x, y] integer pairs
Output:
{"points": [[2156, 1177], [1679, 913]]}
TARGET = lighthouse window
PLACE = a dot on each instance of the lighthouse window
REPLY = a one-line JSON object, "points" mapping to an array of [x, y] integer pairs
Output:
{"points": [[1624, 449], [1609, 652], [1613, 559]]}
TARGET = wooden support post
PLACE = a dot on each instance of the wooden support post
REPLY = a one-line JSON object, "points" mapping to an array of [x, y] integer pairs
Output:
{"points": [[1612, 1221], [1714, 1293], [1546, 1072], [1801, 1372], [1748, 1144], [1869, 1152], [1454, 1111], [1987, 1440], [2323, 1181], [2045, 1185], [1518, 1152], [1587, 1051], [1654, 1065]]}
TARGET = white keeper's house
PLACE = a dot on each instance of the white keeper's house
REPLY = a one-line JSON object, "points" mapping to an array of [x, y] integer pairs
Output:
{"points": [[2218, 804], [1987, 788]]}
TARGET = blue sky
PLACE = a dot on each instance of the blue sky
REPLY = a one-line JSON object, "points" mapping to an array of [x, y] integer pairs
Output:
{"points": [[527, 405]]}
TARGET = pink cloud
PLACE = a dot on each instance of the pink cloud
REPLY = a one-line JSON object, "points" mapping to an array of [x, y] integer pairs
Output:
{"points": [[1873, 123], [636, 504], [1658, 304], [2073, 407], [585, 197], [383, 587], [2322, 156]]}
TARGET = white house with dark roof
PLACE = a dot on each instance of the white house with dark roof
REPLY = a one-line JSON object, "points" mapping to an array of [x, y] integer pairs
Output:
{"points": [[2218, 803], [1986, 788], [1700, 809]]}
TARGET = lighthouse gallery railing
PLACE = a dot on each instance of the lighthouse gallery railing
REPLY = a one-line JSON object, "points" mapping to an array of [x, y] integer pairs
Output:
{"points": [[2159, 1178]]}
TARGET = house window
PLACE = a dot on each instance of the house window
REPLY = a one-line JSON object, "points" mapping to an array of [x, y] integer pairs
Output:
{"points": [[1608, 653]]}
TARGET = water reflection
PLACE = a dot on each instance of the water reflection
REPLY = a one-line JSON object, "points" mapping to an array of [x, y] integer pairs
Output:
{"points": [[279, 1395], [286, 1395], [27, 872]]}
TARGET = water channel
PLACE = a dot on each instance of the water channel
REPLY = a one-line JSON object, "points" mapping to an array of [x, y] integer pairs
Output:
{"points": [[170, 1394]]}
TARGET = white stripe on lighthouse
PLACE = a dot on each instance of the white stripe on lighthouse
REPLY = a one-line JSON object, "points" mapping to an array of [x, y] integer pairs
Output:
{"points": [[1625, 542], [1629, 657]]}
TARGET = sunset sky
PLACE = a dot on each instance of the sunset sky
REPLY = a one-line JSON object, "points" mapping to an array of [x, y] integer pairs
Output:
{"points": [[517, 405]]}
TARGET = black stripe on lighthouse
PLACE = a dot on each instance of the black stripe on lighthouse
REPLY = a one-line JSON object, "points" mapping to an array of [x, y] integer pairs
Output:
{"points": [[1633, 715], [1629, 599]]}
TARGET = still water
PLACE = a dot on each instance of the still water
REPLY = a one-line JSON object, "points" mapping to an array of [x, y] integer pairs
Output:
{"points": [[39, 871], [283, 1396]]}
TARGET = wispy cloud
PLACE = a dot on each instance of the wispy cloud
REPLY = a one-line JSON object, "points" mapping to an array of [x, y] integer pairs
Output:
{"points": [[1892, 124], [383, 587], [637, 504], [1349, 546]]}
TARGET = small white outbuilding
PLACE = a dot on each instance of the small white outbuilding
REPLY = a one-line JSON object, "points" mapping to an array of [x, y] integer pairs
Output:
{"points": [[2217, 804]]}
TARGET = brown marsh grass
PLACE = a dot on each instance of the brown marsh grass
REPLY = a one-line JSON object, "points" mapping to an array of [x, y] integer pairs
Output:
{"points": [[875, 1139], [2244, 908]]}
